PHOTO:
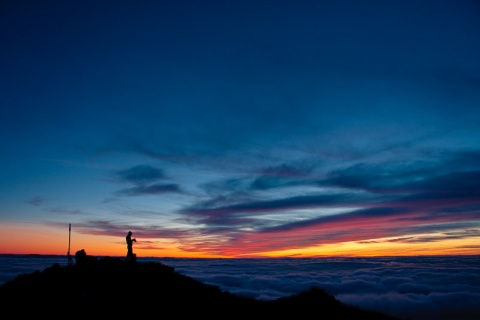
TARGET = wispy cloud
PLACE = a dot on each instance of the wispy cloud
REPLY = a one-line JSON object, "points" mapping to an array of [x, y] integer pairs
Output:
{"points": [[140, 174], [36, 201], [153, 189], [145, 178]]}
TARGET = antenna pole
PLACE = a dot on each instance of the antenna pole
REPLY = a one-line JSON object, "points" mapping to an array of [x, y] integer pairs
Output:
{"points": [[68, 252]]}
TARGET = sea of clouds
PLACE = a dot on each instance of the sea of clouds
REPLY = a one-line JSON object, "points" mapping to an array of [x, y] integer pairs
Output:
{"points": [[415, 288]]}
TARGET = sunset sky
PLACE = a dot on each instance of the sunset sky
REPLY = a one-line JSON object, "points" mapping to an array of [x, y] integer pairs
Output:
{"points": [[245, 128]]}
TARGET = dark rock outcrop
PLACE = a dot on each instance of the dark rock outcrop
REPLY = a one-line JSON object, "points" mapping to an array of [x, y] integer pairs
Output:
{"points": [[113, 287]]}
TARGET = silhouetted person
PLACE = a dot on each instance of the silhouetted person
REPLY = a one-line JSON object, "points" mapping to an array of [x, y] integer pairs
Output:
{"points": [[81, 258], [130, 254]]}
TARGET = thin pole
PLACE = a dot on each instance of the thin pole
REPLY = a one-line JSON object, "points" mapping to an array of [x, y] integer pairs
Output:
{"points": [[68, 253]]}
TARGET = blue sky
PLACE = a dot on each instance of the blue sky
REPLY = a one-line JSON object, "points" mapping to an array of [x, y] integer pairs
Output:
{"points": [[236, 129]]}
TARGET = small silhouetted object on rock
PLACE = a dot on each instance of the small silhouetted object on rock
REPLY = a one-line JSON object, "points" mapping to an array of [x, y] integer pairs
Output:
{"points": [[130, 255], [81, 258]]}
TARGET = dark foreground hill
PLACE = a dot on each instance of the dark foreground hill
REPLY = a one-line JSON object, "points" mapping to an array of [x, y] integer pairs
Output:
{"points": [[112, 287]]}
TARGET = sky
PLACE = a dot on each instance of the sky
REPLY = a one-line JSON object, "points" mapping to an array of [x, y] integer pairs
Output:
{"points": [[240, 129]]}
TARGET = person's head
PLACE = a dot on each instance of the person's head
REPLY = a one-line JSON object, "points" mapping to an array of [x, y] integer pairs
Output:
{"points": [[129, 233]]}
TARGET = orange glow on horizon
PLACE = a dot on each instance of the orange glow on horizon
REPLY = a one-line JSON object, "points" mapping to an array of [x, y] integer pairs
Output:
{"points": [[44, 240]]}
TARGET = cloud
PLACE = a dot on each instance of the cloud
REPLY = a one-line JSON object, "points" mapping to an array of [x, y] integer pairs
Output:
{"points": [[434, 199], [153, 189], [145, 178], [66, 211], [416, 288], [443, 170], [297, 202], [283, 175], [36, 201], [140, 174]]}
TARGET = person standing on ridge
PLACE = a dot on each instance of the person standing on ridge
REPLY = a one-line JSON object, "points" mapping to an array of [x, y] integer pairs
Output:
{"points": [[130, 254]]}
